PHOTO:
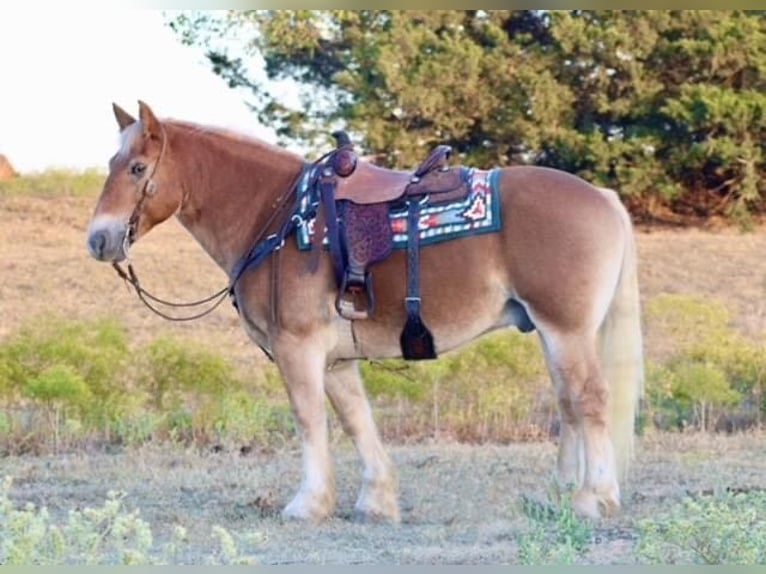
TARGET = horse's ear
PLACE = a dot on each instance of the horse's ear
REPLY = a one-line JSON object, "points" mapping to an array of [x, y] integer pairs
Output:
{"points": [[124, 119], [150, 125]]}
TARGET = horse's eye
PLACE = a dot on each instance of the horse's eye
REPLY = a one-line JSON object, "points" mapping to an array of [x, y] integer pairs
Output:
{"points": [[138, 169]]}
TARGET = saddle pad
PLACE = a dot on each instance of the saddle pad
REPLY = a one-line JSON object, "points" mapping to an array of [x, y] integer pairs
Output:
{"points": [[478, 213]]}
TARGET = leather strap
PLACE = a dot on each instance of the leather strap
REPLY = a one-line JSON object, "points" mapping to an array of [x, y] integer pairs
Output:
{"points": [[412, 301]]}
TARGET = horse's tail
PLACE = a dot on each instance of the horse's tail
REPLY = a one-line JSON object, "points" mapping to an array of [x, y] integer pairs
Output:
{"points": [[621, 349]]}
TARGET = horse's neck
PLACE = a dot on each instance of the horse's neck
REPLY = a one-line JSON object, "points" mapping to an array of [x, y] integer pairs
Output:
{"points": [[230, 194]]}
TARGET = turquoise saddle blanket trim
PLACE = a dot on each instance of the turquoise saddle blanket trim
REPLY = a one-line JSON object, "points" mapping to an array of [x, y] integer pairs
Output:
{"points": [[478, 213]]}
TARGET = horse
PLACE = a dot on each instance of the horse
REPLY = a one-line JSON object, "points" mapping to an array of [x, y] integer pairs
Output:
{"points": [[564, 261]]}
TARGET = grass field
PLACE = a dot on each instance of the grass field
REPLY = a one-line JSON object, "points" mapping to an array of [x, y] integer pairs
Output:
{"points": [[461, 503]]}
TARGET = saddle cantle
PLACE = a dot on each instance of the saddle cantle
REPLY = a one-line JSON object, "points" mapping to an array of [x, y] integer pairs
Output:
{"points": [[367, 183], [355, 200]]}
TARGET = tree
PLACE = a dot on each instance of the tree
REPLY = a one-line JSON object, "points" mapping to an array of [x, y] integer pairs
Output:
{"points": [[667, 107]]}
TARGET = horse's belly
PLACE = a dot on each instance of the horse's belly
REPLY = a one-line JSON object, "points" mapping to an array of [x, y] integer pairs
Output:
{"points": [[464, 293]]}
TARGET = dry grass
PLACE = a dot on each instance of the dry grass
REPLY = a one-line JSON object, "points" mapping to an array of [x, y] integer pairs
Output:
{"points": [[725, 264], [469, 512], [45, 268]]}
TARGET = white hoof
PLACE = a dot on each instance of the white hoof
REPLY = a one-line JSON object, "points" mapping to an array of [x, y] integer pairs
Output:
{"points": [[309, 507], [589, 504]]}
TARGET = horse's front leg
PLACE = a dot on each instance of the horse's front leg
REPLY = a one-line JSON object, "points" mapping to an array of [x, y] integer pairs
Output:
{"points": [[301, 362], [378, 497]]}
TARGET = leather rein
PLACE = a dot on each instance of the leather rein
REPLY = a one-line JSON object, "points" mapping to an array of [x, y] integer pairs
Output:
{"points": [[150, 300]]}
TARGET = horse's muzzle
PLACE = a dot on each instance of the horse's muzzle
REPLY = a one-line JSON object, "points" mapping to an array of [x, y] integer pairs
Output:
{"points": [[106, 240]]}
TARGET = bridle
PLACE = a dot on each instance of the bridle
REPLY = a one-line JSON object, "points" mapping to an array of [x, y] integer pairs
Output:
{"points": [[130, 277]]}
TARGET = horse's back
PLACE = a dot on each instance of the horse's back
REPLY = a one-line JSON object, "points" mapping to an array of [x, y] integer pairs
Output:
{"points": [[549, 198]]}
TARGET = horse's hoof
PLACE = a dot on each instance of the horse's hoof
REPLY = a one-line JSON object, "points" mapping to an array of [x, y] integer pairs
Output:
{"points": [[302, 510], [301, 515], [608, 507], [376, 516], [588, 504]]}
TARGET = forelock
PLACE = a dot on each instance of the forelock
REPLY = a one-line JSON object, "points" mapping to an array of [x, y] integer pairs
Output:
{"points": [[128, 137]]}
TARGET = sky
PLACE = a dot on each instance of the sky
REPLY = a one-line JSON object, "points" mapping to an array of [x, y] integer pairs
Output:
{"points": [[61, 71]]}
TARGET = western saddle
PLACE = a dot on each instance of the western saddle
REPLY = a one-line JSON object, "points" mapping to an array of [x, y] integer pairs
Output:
{"points": [[355, 200]]}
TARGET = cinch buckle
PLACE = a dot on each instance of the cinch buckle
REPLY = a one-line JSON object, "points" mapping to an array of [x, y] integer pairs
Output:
{"points": [[279, 245]]}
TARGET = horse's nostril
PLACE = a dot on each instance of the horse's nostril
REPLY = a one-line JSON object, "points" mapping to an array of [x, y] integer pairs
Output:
{"points": [[97, 243]]}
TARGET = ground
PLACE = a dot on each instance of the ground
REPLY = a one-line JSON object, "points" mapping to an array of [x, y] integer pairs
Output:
{"points": [[460, 503]]}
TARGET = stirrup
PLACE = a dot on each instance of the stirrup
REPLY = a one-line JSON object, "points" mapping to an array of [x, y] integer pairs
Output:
{"points": [[355, 299]]}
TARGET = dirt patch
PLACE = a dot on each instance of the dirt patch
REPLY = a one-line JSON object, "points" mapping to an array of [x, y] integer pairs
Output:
{"points": [[460, 504]]}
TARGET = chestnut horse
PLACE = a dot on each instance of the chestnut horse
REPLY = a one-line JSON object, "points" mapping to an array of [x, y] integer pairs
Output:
{"points": [[564, 260]]}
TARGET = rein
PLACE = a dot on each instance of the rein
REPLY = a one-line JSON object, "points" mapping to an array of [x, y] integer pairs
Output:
{"points": [[145, 296]]}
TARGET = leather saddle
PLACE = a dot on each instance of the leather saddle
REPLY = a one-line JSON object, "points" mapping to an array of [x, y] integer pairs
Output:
{"points": [[367, 183], [356, 198]]}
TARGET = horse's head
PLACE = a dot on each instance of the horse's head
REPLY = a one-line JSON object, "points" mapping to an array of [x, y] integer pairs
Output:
{"points": [[139, 191]]}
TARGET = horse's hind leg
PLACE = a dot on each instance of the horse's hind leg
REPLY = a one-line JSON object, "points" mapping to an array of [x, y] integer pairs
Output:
{"points": [[302, 365], [378, 496], [586, 455]]}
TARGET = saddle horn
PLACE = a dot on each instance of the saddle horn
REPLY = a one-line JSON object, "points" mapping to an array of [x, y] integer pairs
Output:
{"points": [[341, 138], [344, 158]]}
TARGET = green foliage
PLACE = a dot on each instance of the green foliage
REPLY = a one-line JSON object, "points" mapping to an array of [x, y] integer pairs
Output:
{"points": [[675, 121], [488, 390], [240, 414], [555, 535], [62, 381], [107, 535], [57, 384], [687, 319], [56, 182], [83, 362], [723, 529], [710, 369], [169, 368]]}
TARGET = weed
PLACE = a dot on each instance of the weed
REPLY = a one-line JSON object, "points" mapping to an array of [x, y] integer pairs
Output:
{"points": [[726, 528], [556, 535], [110, 534]]}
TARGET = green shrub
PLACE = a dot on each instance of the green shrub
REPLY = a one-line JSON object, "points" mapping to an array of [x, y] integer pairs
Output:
{"points": [[709, 369], [485, 391], [59, 384], [723, 529], [241, 416], [743, 361], [686, 320], [107, 535], [169, 368], [395, 378], [691, 393], [73, 368], [73, 379], [555, 535], [59, 388]]}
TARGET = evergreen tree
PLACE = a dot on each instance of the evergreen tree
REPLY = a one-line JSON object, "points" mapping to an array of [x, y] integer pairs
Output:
{"points": [[667, 107]]}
